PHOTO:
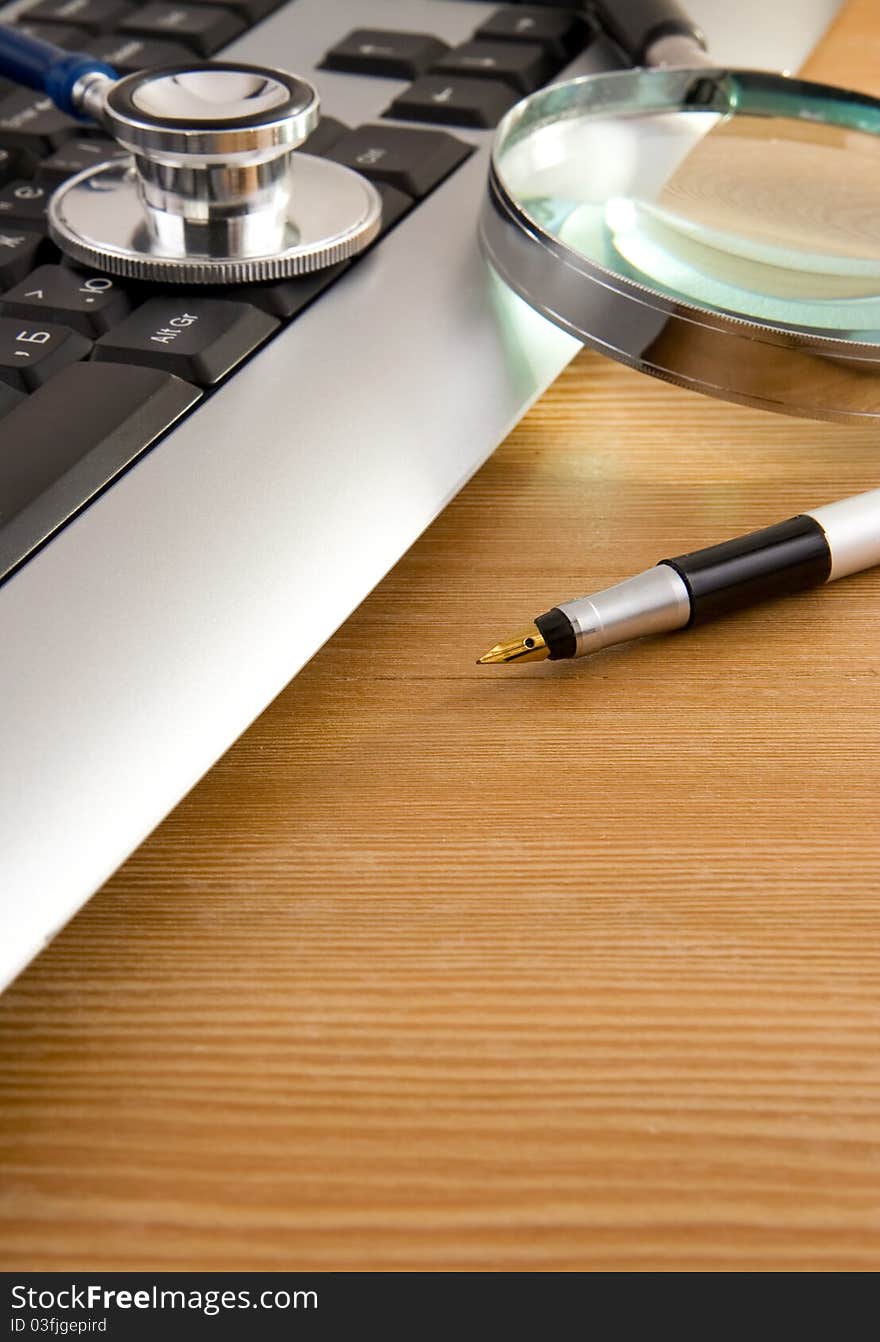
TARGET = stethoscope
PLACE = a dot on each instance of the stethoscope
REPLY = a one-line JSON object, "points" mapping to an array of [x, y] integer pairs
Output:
{"points": [[718, 228], [214, 192]]}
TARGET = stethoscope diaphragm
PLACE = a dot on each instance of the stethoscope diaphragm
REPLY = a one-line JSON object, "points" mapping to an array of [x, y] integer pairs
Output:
{"points": [[97, 218]]}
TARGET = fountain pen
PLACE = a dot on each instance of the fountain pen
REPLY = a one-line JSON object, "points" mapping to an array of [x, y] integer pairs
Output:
{"points": [[806, 551]]}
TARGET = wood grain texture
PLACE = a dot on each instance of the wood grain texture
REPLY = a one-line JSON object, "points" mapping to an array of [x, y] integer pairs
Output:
{"points": [[559, 967]]}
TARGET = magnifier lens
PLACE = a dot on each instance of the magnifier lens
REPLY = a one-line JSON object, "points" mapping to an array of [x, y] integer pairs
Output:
{"points": [[711, 188]]}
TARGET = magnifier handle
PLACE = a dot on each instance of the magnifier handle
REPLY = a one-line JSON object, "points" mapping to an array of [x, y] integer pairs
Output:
{"points": [[636, 25], [41, 65]]}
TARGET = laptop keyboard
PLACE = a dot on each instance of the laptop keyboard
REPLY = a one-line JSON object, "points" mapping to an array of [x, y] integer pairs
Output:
{"points": [[70, 420]]}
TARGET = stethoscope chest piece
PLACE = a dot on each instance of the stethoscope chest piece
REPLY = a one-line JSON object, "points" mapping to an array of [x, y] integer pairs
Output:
{"points": [[214, 192]]}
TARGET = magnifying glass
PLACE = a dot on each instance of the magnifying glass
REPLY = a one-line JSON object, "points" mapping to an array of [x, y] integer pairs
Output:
{"points": [[718, 228], [213, 192]]}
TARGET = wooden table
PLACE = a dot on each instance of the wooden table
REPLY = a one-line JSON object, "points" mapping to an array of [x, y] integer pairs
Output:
{"points": [[559, 967]]}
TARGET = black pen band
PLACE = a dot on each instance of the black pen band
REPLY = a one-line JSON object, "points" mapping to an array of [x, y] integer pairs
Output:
{"points": [[776, 561]]}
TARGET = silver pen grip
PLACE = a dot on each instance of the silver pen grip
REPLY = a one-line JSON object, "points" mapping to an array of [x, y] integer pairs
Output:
{"points": [[653, 602]]}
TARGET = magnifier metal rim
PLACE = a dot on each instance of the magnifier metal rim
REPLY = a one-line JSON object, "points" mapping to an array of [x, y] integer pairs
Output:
{"points": [[607, 311], [288, 124]]}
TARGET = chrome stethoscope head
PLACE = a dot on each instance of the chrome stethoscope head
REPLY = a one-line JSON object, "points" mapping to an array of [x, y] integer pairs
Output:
{"points": [[214, 192]]}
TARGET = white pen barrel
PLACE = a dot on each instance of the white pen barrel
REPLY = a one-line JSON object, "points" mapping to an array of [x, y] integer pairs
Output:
{"points": [[852, 530]]}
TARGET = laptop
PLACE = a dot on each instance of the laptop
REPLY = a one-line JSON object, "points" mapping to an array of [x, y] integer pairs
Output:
{"points": [[160, 591]]}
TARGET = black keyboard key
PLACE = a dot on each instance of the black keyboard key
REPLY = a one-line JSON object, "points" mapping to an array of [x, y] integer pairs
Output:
{"points": [[70, 439], [415, 161], [375, 51], [10, 397], [447, 100], [15, 162], [324, 136], [199, 339], [127, 55], [525, 66], [31, 352], [74, 156], [32, 121], [286, 299], [562, 32], [88, 303], [18, 254], [24, 203], [395, 204], [203, 28], [62, 34], [95, 16], [250, 10]]}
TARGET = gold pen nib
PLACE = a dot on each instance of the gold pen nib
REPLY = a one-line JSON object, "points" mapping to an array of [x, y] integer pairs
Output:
{"points": [[528, 646]]}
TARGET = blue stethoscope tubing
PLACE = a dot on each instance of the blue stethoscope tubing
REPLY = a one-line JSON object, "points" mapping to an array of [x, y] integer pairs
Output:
{"points": [[49, 69]]}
